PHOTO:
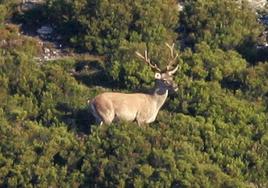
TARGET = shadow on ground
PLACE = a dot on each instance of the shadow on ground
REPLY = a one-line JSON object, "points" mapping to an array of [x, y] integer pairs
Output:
{"points": [[78, 120], [92, 74]]}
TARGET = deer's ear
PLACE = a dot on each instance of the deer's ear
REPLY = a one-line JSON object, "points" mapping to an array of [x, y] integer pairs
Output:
{"points": [[157, 75]]}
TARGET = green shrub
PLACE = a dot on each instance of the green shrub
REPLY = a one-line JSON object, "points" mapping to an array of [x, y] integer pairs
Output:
{"points": [[221, 24], [100, 26], [208, 134]]}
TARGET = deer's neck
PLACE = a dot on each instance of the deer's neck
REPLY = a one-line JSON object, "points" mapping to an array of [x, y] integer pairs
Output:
{"points": [[160, 96]]}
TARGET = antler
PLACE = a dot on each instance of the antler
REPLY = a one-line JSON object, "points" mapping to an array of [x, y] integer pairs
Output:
{"points": [[173, 60], [148, 61], [169, 68]]}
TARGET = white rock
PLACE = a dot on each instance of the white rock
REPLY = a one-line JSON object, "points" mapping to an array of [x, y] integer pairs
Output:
{"points": [[47, 50], [45, 30], [3, 42], [180, 7], [54, 52], [58, 37]]}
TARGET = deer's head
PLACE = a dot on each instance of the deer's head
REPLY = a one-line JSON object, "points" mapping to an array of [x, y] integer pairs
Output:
{"points": [[163, 78]]}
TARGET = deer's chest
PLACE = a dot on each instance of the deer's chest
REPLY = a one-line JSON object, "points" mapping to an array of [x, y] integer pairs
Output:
{"points": [[148, 115], [152, 117]]}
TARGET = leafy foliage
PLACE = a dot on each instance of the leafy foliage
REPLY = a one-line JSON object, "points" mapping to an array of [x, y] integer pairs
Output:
{"points": [[221, 24], [211, 133], [100, 26]]}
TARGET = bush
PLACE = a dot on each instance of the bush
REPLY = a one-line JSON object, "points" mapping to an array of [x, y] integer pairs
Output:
{"points": [[221, 24], [211, 64], [209, 134], [100, 26]]}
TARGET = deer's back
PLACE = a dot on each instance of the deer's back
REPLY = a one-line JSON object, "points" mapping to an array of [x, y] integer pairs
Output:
{"points": [[123, 106]]}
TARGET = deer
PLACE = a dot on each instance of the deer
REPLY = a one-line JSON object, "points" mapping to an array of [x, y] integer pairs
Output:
{"points": [[140, 107]]}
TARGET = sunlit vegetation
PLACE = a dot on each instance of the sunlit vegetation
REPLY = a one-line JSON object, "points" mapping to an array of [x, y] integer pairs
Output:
{"points": [[212, 133]]}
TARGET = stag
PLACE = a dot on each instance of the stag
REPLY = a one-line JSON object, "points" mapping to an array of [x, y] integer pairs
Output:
{"points": [[140, 107]]}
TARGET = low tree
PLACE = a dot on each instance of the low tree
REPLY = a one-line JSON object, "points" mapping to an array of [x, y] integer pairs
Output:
{"points": [[99, 26], [224, 24]]}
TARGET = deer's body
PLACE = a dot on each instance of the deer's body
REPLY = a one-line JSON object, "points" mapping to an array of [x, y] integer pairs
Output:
{"points": [[139, 107]]}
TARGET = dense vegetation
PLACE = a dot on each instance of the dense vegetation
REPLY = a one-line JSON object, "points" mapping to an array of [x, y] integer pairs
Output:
{"points": [[212, 133]]}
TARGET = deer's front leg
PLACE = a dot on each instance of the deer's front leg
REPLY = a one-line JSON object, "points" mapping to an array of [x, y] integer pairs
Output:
{"points": [[140, 119], [140, 123]]}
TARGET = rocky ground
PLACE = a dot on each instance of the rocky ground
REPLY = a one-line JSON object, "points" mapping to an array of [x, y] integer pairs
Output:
{"points": [[50, 41], [52, 48], [258, 4]]}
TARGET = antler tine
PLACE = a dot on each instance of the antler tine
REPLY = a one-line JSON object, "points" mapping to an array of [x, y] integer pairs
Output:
{"points": [[171, 62], [148, 61], [171, 48]]}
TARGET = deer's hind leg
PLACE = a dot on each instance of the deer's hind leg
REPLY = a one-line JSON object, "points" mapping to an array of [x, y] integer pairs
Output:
{"points": [[98, 119], [107, 117], [106, 112]]}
